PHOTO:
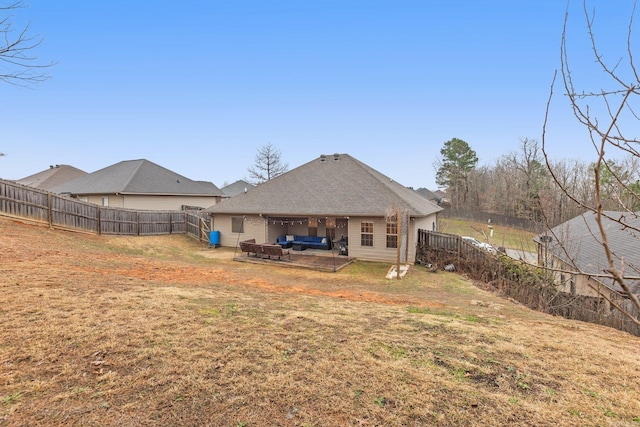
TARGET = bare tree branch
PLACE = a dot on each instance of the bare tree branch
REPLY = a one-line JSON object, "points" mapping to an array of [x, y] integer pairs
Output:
{"points": [[268, 164], [18, 65], [608, 134]]}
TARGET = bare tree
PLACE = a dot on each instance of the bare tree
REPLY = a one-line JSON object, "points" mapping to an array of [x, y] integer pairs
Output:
{"points": [[521, 179], [268, 164], [607, 114], [620, 183], [569, 177], [530, 167], [18, 64], [516, 185]]}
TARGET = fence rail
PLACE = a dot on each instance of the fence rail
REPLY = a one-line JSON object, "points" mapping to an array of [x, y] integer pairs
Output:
{"points": [[19, 201], [515, 279]]}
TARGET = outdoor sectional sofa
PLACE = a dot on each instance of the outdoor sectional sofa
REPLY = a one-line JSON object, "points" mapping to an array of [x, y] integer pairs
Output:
{"points": [[263, 250], [301, 243]]}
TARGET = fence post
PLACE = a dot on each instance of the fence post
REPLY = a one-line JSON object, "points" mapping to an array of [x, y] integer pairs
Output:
{"points": [[50, 209]]}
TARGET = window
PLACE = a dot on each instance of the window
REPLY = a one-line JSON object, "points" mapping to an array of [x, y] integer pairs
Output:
{"points": [[237, 224], [105, 201], [366, 233], [392, 234]]}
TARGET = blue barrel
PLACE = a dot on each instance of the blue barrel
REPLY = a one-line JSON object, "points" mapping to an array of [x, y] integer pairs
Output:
{"points": [[214, 238]]}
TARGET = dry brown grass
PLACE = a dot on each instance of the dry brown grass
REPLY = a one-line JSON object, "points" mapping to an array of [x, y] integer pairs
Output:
{"points": [[163, 331], [507, 237]]}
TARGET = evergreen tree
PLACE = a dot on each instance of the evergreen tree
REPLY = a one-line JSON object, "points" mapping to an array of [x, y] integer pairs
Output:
{"points": [[453, 168]]}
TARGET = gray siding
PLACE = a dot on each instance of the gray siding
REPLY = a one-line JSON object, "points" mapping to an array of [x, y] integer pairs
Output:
{"points": [[254, 228], [168, 203], [379, 250]]}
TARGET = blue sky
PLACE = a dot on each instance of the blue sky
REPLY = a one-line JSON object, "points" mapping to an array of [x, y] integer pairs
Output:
{"points": [[198, 86]]}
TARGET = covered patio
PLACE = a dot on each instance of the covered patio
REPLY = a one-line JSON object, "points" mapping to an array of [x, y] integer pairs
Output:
{"points": [[323, 226], [313, 259]]}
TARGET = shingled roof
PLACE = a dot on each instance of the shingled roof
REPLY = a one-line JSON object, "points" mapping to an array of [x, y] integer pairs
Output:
{"points": [[236, 188], [582, 241], [138, 177], [331, 185], [427, 194], [52, 177]]}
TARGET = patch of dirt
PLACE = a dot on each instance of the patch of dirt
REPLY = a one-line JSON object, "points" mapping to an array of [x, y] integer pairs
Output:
{"points": [[19, 251]]}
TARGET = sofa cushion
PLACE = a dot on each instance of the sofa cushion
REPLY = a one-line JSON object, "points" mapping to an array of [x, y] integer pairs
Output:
{"points": [[316, 242]]}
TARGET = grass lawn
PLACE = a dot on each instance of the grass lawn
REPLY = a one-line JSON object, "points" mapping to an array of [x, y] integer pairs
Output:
{"points": [[507, 237], [163, 331]]}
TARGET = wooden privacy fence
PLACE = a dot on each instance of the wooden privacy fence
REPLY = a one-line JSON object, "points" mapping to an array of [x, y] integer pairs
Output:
{"points": [[18, 201], [197, 225], [526, 284]]}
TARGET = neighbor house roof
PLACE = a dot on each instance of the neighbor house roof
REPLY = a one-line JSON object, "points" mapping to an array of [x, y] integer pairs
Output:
{"points": [[427, 194], [237, 187], [579, 241], [331, 185], [137, 177], [52, 177]]}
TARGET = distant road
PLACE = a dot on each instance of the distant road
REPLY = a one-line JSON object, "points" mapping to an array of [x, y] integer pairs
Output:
{"points": [[528, 257]]}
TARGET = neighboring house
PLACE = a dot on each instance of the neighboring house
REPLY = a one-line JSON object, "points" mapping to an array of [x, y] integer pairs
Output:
{"points": [[444, 200], [574, 250], [429, 195], [52, 177], [141, 184], [333, 196], [240, 186]]}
